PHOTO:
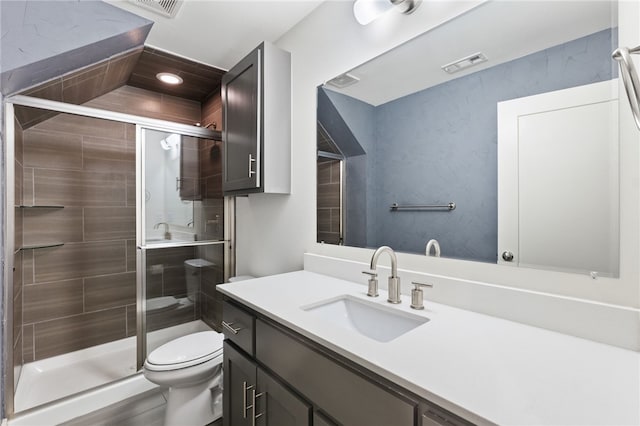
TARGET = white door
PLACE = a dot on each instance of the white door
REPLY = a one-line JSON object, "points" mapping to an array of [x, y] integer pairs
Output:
{"points": [[558, 180]]}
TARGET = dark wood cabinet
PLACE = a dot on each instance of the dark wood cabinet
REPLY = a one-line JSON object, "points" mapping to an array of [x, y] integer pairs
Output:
{"points": [[254, 398], [256, 115], [337, 390], [239, 379], [280, 378]]}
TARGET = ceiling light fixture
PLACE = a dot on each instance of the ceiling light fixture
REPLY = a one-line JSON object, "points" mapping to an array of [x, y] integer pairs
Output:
{"points": [[169, 78], [367, 11]]}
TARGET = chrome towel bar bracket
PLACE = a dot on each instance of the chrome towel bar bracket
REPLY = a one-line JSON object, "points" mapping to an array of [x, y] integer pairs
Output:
{"points": [[630, 78], [449, 206]]}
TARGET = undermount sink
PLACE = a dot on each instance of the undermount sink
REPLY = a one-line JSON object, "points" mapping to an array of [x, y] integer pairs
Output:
{"points": [[369, 319]]}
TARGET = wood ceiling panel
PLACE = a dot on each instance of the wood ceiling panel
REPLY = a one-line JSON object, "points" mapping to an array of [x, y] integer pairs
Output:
{"points": [[199, 79]]}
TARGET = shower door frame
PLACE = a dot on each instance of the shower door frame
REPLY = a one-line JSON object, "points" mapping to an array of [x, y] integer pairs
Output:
{"points": [[142, 248], [9, 222]]}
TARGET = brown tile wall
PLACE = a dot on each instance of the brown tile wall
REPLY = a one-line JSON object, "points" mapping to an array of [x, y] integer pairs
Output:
{"points": [[212, 111], [81, 85], [328, 212], [83, 293], [149, 104]]}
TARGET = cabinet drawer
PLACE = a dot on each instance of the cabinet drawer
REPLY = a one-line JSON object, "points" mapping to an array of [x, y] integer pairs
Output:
{"points": [[238, 326], [342, 393]]}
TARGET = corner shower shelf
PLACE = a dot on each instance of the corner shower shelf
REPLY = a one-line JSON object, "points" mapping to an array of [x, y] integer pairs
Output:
{"points": [[41, 207], [41, 246]]}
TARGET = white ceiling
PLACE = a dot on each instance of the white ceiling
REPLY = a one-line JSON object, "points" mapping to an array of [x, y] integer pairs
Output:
{"points": [[503, 30], [221, 32]]}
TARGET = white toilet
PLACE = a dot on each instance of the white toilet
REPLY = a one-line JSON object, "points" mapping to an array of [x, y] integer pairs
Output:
{"points": [[191, 367]]}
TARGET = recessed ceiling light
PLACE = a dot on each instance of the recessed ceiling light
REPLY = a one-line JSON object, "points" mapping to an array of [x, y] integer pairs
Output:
{"points": [[169, 78]]}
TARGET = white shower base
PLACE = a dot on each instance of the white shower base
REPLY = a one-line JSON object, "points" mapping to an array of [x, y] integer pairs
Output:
{"points": [[72, 375]]}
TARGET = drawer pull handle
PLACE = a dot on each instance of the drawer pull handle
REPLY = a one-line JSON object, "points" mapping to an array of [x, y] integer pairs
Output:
{"points": [[231, 329]]}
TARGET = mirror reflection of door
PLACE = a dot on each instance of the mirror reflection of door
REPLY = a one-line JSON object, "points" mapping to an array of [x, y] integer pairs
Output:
{"points": [[558, 197]]}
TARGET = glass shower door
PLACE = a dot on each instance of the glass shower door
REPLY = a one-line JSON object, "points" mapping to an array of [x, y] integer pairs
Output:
{"points": [[181, 235]]}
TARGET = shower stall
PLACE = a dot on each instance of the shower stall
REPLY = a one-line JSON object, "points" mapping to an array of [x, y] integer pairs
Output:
{"points": [[115, 241]]}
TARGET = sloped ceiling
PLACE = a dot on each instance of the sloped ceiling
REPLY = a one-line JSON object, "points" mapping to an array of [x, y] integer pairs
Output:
{"points": [[221, 32], [42, 40]]}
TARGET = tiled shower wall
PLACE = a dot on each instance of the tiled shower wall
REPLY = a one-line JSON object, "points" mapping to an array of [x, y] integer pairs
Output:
{"points": [[83, 293], [328, 201]]}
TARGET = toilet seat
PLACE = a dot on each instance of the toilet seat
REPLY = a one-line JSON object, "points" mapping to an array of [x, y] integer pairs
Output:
{"points": [[186, 351]]}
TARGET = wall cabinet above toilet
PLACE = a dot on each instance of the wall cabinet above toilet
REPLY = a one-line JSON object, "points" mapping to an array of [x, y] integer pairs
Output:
{"points": [[256, 96]]}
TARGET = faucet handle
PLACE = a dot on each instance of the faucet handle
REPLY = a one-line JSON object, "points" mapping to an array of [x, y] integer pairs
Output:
{"points": [[416, 294], [373, 283]]}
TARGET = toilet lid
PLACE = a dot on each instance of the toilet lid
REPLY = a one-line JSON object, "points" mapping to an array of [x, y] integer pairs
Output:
{"points": [[186, 351]]}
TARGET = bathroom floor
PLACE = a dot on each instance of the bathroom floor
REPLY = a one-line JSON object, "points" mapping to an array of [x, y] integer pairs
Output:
{"points": [[143, 410]]}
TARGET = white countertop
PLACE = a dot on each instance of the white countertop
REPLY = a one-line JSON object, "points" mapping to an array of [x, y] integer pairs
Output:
{"points": [[485, 369]]}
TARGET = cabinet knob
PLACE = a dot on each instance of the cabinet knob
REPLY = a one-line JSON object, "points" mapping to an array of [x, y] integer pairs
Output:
{"points": [[507, 256]]}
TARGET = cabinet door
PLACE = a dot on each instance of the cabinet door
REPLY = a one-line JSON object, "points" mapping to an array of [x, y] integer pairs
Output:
{"points": [[345, 395], [239, 381], [242, 128], [277, 406]]}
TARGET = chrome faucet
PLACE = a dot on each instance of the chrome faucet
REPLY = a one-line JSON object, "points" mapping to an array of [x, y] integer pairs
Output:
{"points": [[394, 280], [435, 245], [167, 234]]}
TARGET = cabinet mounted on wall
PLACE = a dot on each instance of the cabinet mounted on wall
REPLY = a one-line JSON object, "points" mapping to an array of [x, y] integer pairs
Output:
{"points": [[256, 115]]}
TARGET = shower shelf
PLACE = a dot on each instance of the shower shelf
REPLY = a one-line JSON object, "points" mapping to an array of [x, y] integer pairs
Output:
{"points": [[41, 207], [41, 246]]}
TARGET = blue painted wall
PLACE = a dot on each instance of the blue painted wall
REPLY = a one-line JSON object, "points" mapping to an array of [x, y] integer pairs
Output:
{"points": [[359, 117], [440, 145]]}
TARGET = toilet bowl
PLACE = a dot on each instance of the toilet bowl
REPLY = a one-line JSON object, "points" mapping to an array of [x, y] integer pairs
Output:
{"points": [[191, 367]]}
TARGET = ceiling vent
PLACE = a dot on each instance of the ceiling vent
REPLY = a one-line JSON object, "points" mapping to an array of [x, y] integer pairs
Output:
{"points": [[343, 80], [168, 8], [469, 61]]}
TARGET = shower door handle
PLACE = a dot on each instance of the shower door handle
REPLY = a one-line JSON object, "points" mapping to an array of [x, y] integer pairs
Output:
{"points": [[251, 162], [629, 78]]}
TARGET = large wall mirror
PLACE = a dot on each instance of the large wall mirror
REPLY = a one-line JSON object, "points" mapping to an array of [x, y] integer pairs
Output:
{"points": [[495, 134]]}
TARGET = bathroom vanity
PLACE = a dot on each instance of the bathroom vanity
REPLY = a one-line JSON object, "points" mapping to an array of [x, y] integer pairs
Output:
{"points": [[291, 358], [312, 382]]}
